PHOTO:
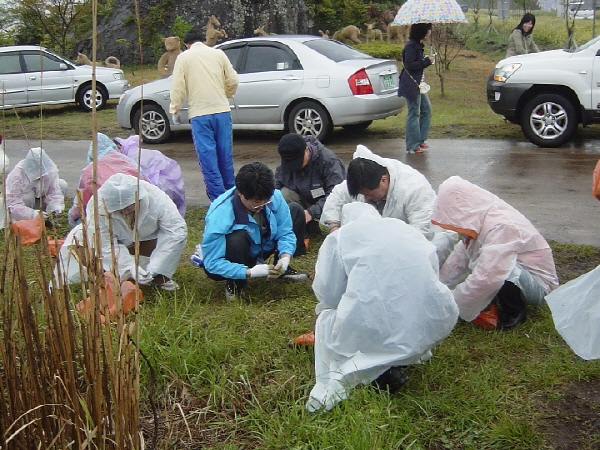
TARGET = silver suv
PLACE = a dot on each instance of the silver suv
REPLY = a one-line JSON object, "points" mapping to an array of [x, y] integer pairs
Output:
{"points": [[32, 75]]}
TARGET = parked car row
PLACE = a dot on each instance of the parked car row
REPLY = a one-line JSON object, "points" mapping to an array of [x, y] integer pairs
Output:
{"points": [[302, 84], [32, 75]]}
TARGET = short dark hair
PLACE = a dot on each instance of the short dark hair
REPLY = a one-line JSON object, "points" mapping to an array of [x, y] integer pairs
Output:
{"points": [[364, 174], [418, 31], [255, 181], [194, 35], [527, 17]]}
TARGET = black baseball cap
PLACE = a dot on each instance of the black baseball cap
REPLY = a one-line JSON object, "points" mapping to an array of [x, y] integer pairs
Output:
{"points": [[291, 149]]}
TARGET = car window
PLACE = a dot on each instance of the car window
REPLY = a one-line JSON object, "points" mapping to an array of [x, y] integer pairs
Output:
{"points": [[39, 61], [9, 63], [334, 50], [234, 53], [267, 58]]}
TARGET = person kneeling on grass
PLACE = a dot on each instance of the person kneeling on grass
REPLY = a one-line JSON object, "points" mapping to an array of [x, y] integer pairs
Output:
{"points": [[246, 225], [161, 232], [501, 256], [381, 305]]}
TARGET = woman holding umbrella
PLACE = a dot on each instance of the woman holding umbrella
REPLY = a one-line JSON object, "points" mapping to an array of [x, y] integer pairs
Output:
{"points": [[419, 107]]}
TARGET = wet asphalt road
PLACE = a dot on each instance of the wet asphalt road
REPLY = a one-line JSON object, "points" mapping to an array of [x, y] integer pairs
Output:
{"points": [[551, 187]]}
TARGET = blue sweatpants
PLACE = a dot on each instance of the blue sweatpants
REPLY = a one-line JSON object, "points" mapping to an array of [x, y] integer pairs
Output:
{"points": [[212, 135]]}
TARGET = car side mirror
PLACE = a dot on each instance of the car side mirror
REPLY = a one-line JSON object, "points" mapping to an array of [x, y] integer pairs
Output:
{"points": [[63, 66]]}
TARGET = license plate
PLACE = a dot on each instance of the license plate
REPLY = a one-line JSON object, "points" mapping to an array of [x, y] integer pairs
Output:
{"points": [[388, 82]]}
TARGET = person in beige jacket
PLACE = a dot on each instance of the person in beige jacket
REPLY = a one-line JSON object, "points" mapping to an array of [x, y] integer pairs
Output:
{"points": [[205, 76], [520, 41]]}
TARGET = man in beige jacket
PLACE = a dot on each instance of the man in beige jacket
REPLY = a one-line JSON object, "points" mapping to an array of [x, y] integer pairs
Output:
{"points": [[207, 79]]}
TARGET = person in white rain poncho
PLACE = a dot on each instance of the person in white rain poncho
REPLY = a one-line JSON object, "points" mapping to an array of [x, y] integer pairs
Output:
{"points": [[501, 254], [394, 189], [4, 163], [34, 185], [381, 305], [162, 233]]}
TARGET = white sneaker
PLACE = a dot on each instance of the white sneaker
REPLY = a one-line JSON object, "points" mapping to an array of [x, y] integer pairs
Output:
{"points": [[168, 286]]}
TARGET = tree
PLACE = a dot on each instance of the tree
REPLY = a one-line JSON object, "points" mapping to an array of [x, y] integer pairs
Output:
{"points": [[571, 10], [51, 22], [476, 7], [447, 42]]}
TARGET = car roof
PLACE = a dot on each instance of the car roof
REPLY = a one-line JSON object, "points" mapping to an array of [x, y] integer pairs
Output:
{"points": [[12, 48], [275, 38]]}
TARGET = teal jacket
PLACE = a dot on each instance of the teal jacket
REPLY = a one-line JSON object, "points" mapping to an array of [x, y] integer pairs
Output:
{"points": [[227, 214]]}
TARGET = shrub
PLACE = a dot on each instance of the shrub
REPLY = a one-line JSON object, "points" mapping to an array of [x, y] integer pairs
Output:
{"points": [[379, 49]]}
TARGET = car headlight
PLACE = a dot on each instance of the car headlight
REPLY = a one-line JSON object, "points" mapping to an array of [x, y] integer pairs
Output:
{"points": [[504, 73]]}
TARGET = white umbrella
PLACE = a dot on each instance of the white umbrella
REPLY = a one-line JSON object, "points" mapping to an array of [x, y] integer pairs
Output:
{"points": [[429, 11]]}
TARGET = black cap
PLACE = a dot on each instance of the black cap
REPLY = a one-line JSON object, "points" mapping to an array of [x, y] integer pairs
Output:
{"points": [[291, 149]]}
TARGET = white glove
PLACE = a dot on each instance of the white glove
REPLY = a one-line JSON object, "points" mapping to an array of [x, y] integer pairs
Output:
{"points": [[260, 270], [176, 118], [282, 264], [143, 276]]}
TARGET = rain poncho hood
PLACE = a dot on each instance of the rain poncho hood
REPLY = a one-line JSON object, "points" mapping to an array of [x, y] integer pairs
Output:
{"points": [[158, 219], [105, 146], [410, 197], [380, 302], [501, 242], [160, 170], [35, 176]]}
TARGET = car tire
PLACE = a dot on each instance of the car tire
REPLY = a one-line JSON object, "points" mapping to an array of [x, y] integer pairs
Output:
{"points": [[310, 119], [357, 126], [155, 125], [549, 120], [84, 97]]}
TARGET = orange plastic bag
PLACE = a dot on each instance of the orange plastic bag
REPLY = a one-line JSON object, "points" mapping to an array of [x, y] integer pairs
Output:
{"points": [[488, 320], [54, 245], [596, 181], [305, 339], [128, 296], [29, 230]]}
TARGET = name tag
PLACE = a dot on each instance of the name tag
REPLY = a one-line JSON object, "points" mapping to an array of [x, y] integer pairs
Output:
{"points": [[316, 193]]}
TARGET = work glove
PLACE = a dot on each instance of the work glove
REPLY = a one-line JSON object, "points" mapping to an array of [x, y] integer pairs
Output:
{"points": [[176, 118], [48, 220], [260, 270], [283, 264], [143, 276]]}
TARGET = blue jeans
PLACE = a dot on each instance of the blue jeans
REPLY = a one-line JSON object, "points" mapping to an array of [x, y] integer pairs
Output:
{"points": [[417, 122], [212, 135]]}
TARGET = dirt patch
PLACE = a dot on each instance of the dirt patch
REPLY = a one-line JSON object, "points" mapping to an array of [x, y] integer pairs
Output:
{"points": [[573, 422]]}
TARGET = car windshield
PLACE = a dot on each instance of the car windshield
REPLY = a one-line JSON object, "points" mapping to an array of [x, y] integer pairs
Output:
{"points": [[334, 50], [585, 46]]}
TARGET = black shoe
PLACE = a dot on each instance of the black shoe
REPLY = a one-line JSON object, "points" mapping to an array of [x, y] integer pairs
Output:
{"points": [[232, 292], [506, 322], [391, 380], [293, 275], [313, 229]]}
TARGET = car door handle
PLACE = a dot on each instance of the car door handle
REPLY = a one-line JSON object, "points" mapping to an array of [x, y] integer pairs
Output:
{"points": [[291, 78], [32, 78]]}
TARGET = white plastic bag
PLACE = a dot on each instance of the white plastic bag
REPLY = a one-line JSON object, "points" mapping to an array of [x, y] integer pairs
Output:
{"points": [[575, 309], [424, 87]]}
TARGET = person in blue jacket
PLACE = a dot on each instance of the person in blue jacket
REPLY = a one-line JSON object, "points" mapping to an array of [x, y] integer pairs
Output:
{"points": [[244, 227]]}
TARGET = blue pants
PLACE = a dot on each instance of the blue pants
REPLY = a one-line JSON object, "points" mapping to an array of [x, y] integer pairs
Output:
{"points": [[417, 122], [213, 140]]}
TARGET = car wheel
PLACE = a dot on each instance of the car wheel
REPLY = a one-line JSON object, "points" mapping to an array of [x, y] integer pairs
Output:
{"points": [[85, 98], [155, 125], [357, 126], [549, 120], [310, 119]]}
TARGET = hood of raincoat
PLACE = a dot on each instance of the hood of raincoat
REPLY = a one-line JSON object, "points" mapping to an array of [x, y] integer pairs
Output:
{"points": [[462, 206], [105, 146], [132, 142], [119, 192], [38, 164], [352, 211]]}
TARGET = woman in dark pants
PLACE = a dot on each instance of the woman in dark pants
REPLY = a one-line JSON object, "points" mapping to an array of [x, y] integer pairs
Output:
{"points": [[419, 107]]}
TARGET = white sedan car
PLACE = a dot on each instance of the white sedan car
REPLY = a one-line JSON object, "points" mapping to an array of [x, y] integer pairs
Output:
{"points": [[32, 75], [301, 84]]}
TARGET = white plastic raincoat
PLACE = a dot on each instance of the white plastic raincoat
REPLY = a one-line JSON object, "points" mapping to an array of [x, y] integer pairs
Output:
{"points": [[499, 244], [35, 177], [4, 163], [380, 302], [158, 218]]}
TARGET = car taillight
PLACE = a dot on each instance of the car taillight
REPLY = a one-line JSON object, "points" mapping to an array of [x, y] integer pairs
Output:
{"points": [[359, 83]]}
